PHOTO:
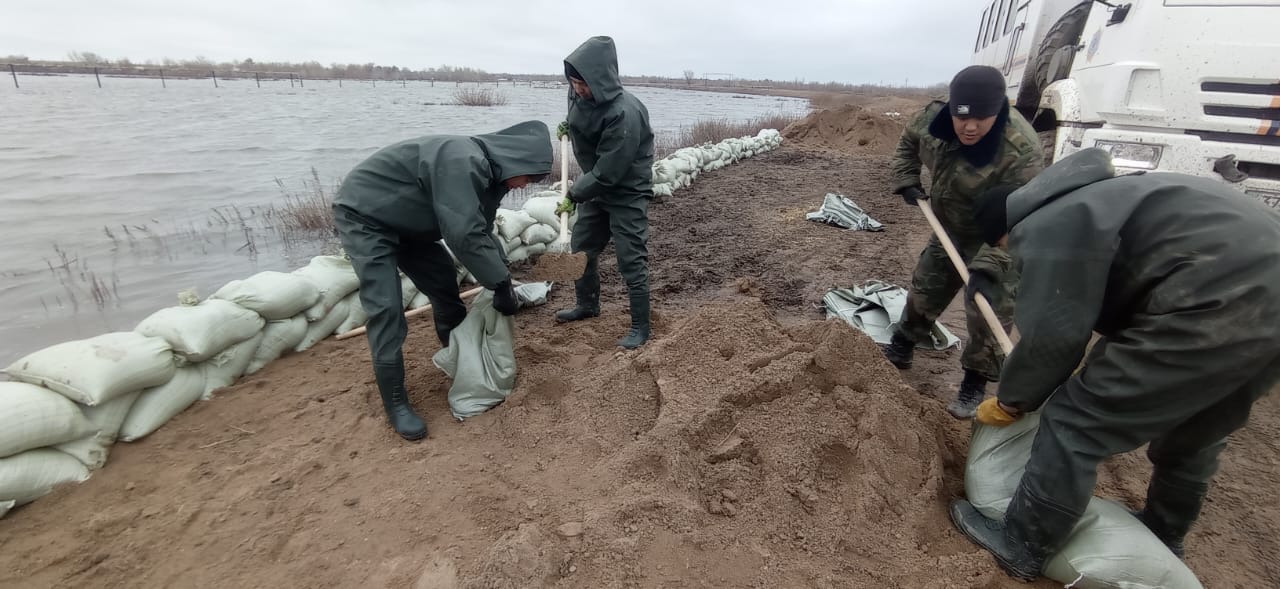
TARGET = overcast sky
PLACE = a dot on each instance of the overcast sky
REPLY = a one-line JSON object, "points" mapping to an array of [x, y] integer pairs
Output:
{"points": [[876, 41]]}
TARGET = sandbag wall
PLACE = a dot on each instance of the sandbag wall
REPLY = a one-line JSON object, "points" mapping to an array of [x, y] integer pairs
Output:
{"points": [[66, 405]]}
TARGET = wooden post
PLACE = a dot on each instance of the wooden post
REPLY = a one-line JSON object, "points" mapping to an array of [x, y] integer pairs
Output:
{"points": [[300, 84], [339, 82], [99, 78], [14, 74], [214, 75], [433, 82], [375, 82], [256, 80], [290, 79], [403, 84], [162, 83]]}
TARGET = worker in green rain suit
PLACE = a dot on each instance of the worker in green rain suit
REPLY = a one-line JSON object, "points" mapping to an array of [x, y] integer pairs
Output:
{"points": [[393, 210]]}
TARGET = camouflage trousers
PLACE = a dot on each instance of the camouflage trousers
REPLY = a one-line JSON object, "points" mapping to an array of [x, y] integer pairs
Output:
{"points": [[934, 284]]}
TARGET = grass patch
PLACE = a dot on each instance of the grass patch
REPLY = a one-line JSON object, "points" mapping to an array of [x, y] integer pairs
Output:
{"points": [[306, 210], [477, 96], [717, 130]]}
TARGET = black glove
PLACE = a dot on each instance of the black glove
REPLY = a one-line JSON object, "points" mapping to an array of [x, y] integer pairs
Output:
{"points": [[911, 194], [982, 282], [577, 198], [504, 298]]}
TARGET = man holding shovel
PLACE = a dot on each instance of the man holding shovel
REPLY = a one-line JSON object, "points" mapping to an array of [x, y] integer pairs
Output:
{"points": [[395, 207], [613, 143], [972, 143], [1180, 276]]}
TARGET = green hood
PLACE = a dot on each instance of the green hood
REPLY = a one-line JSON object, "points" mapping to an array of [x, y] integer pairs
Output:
{"points": [[597, 61], [523, 149], [1071, 173]]}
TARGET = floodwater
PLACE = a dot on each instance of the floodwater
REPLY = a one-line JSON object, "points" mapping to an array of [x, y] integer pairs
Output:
{"points": [[115, 199]]}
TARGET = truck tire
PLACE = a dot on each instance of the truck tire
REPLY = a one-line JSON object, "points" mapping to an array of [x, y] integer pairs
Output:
{"points": [[1053, 59]]}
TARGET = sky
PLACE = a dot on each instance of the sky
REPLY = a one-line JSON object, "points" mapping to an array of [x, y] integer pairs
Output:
{"points": [[855, 41]]}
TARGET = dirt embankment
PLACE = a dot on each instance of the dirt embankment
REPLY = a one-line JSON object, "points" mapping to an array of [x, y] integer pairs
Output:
{"points": [[751, 444]]}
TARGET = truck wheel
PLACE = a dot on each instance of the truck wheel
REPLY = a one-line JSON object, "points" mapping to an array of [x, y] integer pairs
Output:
{"points": [[1053, 60]]}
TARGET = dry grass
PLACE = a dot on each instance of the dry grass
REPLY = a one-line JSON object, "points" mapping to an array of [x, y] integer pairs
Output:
{"points": [[477, 96], [310, 209]]}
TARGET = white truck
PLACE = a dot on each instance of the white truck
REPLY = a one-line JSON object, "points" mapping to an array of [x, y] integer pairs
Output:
{"points": [[1190, 86]]}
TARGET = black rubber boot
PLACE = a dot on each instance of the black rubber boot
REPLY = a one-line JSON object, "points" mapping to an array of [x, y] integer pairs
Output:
{"points": [[1031, 533], [640, 325], [395, 400], [1172, 507], [900, 351], [587, 292], [972, 389]]}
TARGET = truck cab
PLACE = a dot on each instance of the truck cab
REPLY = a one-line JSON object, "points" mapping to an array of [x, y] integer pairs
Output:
{"points": [[1190, 86]]}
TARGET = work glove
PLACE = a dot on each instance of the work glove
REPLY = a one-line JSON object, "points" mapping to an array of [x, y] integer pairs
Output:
{"points": [[504, 298], [565, 206], [991, 412], [562, 129], [984, 283], [912, 194]]}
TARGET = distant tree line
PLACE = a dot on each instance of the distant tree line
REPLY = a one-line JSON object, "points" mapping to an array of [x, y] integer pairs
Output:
{"points": [[86, 61]]}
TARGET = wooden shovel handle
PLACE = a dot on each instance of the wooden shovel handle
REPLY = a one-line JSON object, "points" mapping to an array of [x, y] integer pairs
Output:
{"points": [[408, 314]]}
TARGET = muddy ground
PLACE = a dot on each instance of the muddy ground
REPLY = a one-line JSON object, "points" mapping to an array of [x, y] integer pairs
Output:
{"points": [[751, 444]]}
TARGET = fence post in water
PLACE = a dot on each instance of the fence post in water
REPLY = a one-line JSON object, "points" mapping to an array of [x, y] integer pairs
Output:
{"points": [[162, 84], [290, 79], [403, 84], [256, 80], [15, 76], [339, 82], [95, 75], [300, 84], [433, 82], [214, 75]]}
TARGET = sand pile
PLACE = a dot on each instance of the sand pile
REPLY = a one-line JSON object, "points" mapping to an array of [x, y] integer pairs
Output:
{"points": [[736, 453], [849, 128]]}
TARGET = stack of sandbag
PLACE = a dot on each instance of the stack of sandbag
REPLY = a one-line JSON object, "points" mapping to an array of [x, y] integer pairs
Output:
{"points": [[67, 406], [335, 279], [682, 167]]}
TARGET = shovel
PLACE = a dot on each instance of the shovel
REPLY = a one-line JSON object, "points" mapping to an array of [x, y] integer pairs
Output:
{"points": [[559, 263], [983, 305]]}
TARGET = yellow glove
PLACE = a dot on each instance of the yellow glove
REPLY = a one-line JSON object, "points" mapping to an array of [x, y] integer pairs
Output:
{"points": [[562, 129], [991, 413], [565, 206]]}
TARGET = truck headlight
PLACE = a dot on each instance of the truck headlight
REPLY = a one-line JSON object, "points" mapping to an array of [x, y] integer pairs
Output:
{"points": [[1138, 156]]}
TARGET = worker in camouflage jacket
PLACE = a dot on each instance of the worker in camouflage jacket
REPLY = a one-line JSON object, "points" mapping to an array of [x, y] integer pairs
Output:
{"points": [[971, 143], [392, 211], [1180, 276], [613, 143]]}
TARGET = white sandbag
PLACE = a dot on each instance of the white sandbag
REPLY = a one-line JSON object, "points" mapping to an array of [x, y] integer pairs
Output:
{"points": [[324, 328], [662, 190], [407, 291], [510, 224], [665, 171], [98, 369], [198, 332], [543, 210], [420, 300], [5, 506], [33, 474], [273, 295], [223, 370], [92, 450], [33, 417], [334, 277], [1108, 548], [278, 338], [518, 255], [480, 358], [356, 315], [539, 233], [536, 249], [511, 245], [532, 294], [156, 406]]}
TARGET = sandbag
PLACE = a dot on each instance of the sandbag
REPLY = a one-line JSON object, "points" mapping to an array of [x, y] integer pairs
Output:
{"points": [[324, 328], [273, 295], [223, 370], [536, 249], [1108, 549], [334, 277], [278, 338], [518, 255], [663, 189], [198, 332], [542, 207], [420, 300], [92, 450], [98, 369], [33, 417], [408, 290], [510, 224], [5, 506], [356, 316], [539, 233], [33, 474], [156, 406], [480, 358]]}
